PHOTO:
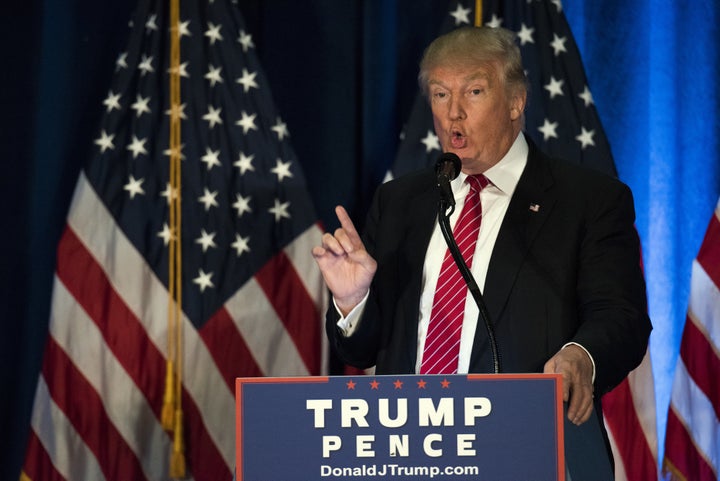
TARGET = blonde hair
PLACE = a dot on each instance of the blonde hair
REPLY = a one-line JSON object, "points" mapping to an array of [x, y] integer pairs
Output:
{"points": [[481, 46]]}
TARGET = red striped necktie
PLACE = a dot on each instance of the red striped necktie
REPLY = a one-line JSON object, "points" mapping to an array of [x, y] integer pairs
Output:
{"points": [[442, 343]]}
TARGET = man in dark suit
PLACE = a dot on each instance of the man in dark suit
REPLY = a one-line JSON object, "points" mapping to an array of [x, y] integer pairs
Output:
{"points": [[556, 252]]}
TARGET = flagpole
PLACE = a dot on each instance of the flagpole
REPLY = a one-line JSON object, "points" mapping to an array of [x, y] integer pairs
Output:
{"points": [[177, 457], [478, 13]]}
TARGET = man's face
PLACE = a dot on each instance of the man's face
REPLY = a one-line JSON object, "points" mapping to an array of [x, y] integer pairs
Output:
{"points": [[473, 114]]}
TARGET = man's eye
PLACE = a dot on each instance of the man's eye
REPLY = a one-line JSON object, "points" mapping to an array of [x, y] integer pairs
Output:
{"points": [[476, 91], [440, 95]]}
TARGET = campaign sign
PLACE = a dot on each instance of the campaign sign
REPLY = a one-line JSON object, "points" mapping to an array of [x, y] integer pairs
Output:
{"points": [[480, 427]]}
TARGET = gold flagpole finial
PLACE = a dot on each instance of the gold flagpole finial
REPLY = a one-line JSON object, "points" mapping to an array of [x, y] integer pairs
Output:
{"points": [[478, 13]]}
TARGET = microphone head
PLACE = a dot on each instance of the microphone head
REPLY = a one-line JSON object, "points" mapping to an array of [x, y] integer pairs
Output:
{"points": [[448, 164]]}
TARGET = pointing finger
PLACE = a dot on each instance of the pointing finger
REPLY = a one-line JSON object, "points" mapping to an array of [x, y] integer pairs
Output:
{"points": [[349, 228]]}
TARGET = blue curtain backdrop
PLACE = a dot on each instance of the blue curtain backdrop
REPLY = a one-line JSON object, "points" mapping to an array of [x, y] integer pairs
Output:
{"points": [[653, 69], [343, 77]]}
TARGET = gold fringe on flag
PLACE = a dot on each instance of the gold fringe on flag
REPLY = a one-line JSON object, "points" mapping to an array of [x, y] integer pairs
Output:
{"points": [[167, 415], [478, 13], [177, 458], [674, 473], [172, 414]]}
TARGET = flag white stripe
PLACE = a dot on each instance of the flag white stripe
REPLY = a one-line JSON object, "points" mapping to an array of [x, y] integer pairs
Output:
{"points": [[298, 251], [60, 440], [147, 298], [704, 304], [122, 399], [696, 412], [273, 349], [643, 396]]}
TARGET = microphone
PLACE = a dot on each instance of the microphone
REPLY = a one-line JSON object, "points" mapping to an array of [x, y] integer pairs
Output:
{"points": [[447, 168]]}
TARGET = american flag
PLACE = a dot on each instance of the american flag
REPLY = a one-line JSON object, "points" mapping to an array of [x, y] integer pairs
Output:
{"points": [[562, 120], [252, 296], [692, 440]]}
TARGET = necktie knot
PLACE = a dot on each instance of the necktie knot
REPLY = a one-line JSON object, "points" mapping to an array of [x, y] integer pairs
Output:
{"points": [[477, 182]]}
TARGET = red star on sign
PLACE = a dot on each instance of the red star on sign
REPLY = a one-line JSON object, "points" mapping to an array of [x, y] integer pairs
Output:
{"points": [[374, 384], [398, 384], [445, 383], [350, 384], [421, 384]]}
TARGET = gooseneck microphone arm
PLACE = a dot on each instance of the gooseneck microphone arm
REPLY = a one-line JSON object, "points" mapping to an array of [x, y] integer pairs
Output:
{"points": [[446, 206]]}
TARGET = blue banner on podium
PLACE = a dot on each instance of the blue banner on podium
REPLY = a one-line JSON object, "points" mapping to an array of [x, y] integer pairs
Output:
{"points": [[479, 427]]}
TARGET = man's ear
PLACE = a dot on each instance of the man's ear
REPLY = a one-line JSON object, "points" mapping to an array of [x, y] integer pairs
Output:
{"points": [[517, 105]]}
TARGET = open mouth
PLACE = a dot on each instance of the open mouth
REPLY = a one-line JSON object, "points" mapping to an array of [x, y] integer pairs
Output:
{"points": [[457, 139]]}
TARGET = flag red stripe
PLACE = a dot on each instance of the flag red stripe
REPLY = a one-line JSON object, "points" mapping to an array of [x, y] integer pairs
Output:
{"points": [[681, 451], [134, 350], [82, 405], [85, 279], [709, 254], [701, 362], [228, 348], [204, 460], [38, 465], [294, 306], [627, 431]]}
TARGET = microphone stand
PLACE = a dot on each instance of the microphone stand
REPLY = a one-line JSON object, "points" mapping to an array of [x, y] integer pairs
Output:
{"points": [[445, 210]]}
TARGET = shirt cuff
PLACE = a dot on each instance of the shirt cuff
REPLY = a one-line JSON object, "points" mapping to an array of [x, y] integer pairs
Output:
{"points": [[349, 324], [586, 352]]}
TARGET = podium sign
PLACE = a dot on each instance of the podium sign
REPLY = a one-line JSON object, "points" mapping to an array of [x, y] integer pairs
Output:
{"points": [[484, 427]]}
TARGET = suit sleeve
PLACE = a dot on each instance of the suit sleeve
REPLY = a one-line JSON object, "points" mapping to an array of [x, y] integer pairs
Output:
{"points": [[611, 293]]}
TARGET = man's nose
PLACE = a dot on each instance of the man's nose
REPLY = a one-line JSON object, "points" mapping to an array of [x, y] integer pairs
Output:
{"points": [[456, 110]]}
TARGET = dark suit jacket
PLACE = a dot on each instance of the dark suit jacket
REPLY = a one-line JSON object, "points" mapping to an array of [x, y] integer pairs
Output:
{"points": [[568, 272]]}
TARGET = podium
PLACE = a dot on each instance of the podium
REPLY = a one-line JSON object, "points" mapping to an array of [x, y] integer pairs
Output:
{"points": [[480, 427]]}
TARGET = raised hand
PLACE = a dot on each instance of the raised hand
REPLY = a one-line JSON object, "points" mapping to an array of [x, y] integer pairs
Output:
{"points": [[346, 266]]}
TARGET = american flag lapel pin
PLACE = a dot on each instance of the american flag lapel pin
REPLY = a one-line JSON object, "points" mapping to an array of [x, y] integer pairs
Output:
{"points": [[535, 207]]}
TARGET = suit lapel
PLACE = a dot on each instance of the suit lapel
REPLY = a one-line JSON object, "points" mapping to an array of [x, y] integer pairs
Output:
{"points": [[532, 202]]}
